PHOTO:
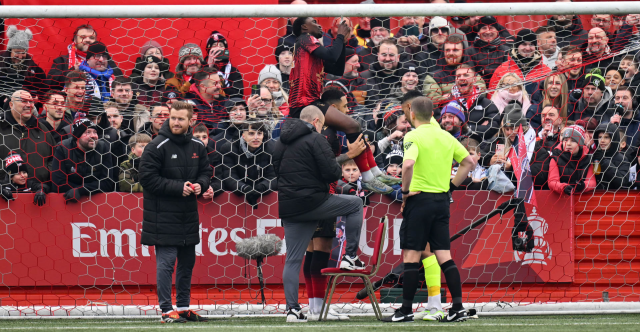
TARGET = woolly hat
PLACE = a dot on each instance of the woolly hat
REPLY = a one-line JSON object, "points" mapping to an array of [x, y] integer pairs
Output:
{"points": [[216, 37], [97, 48], [409, 67], [383, 22], [270, 71], [525, 35], [187, 50], [14, 164], [393, 112], [18, 39], [487, 20], [81, 125], [574, 132], [513, 115], [144, 61], [594, 78], [284, 47], [395, 157], [148, 45], [455, 109]]}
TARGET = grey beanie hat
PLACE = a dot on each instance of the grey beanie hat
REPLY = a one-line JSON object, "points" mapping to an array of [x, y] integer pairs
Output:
{"points": [[18, 38], [513, 116], [270, 71], [189, 49]]}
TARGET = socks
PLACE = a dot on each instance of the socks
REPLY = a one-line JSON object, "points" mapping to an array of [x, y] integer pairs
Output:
{"points": [[317, 305], [452, 275], [320, 261], [361, 160], [376, 171], [367, 176], [182, 308], [432, 276], [372, 161], [306, 271], [409, 286]]}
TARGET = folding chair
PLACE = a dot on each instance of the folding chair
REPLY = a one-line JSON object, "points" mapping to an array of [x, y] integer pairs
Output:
{"points": [[335, 273]]}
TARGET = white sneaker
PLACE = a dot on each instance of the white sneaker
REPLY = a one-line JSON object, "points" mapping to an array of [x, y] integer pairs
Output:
{"points": [[340, 316], [296, 316]]}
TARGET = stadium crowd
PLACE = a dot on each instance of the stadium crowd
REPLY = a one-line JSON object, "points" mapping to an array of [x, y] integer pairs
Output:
{"points": [[81, 127]]}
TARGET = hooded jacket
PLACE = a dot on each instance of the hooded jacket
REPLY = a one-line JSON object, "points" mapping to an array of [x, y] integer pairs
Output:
{"points": [[614, 167], [481, 110], [245, 172], [27, 75], [573, 35], [305, 166], [170, 219], [211, 114], [565, 169], [487, 57], [32, 141], [533, 71], [602, 112]]}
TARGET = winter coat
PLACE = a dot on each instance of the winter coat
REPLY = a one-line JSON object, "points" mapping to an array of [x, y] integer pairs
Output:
{"points": [[210, 114], [614, 167], [32, 141], [427, 57], [31, 186], [146, 94], [573, 35], [137, 74], [170, 219], [537, 71], [128, 178], [60, 68], [601, 112], [481, 110], [27, 76], [305, 166], [565, 169], [244, 173], [487, 57], [379, 83], [59, 133], [443, 79], [72, 168]]}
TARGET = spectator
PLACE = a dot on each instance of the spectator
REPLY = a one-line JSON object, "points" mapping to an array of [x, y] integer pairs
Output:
{"points": [[150, 85], [390, 138], [99, 73], [350, 82], [569, 30], [394, 168], [524, 61], [189, 63], [122, 90], [206, 95], [547, 144], [151, 49], [410, 78], [20, 131], [619, 38], [201, 132], [247, 163], [128, 178], [610, 165], [510, 89], [82, 165], [350, 42], [237, 117], [547, 45], [17, 68], [554, 94], [595, 99], [490, 49], [597, 51], [439, 85], [77, 98], [427, 53], [350, 183], [624, 35], [372, 30], [159, 114], [263, 109], [271, 77], [465, 25], [76, 54], [570, 62], [17, 180], [571, 172], [284, 58], [629, 64], [614, 76], [482, 115], [369, 56], [383, 74], [218, 58], [55, 118], [627, 115], [477, 179], [453, 120]]}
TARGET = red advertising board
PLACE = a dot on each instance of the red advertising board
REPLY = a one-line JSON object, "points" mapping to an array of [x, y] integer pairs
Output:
{"points": [[96, 242]]}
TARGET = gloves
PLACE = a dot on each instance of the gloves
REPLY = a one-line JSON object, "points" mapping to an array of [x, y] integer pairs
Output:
{"points": [[580, 186], [39, 198], [598, 155], [245, 189], [6, 193], [72, 195], [522, 237], [452, 187], [345, 188], [252, 199], [576, 94], [568, 190]]}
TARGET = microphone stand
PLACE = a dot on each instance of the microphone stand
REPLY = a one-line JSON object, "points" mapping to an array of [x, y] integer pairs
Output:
{"points": [[260, 279]]}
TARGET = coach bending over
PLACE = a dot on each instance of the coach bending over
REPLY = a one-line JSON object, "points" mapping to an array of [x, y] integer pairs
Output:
{"points": [[173, 170]]}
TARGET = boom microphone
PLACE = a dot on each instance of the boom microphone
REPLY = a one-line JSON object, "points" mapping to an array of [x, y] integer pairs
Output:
{"points": [[259, 247]]}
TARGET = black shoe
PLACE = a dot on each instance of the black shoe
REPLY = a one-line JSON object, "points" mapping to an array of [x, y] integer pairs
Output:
{"points": [[455, 316], [398, 317], [351, 263], [192, 316]]}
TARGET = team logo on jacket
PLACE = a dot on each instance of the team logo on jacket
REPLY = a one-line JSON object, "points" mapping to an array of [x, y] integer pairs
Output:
{"points": [[174, 156], [195, 155]]}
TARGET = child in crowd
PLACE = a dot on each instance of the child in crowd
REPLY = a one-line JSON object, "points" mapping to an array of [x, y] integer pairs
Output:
{"points": [[571, 171], [351, 184], [18, 181], [477, 179], [128, 178], [394, 168], [610, 165]]}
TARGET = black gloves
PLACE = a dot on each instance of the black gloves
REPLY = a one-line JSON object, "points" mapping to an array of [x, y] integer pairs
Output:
{"points": [[452, 187], [245, 189], [598, 155], [252, 199], [568, 190], [580, 186], [345, 188], [72, 195], [39, 198], [522, 237], [6, 193], [576, 94]]}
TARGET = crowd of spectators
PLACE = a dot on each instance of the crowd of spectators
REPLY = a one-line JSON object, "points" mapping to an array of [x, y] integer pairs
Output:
{"points": [[81, 127]]}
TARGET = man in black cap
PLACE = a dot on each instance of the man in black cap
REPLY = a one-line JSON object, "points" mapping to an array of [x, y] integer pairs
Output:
{"points": [[82, 164], [218, 57], [524, 60], [594, 101], [100, 74], [491, 48]]}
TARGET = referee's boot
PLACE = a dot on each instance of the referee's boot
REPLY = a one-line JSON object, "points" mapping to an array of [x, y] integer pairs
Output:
{"points": [[377, 186]]}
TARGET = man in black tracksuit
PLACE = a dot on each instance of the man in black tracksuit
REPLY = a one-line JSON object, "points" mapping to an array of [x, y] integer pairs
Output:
{"points": [[174, 169]]}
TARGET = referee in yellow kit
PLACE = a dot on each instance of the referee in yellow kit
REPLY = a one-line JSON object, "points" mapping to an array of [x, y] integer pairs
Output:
{"points": [[425, 208]]}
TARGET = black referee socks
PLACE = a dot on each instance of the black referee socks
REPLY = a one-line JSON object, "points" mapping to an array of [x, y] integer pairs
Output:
{"points": [[452, 276], [409, 286]]}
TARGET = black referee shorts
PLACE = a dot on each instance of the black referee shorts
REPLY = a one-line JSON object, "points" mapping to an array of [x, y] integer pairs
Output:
{"points": [[295, 111], [326, 229], [425, 220]]}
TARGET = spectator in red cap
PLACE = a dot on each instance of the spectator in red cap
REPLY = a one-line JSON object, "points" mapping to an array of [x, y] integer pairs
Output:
{"points": [[489, 49], [18, 181], [571, 171], [218, 57], [152, 48]]}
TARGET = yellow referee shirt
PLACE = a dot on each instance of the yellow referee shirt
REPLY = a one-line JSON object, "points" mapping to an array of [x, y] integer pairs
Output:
{"points": [[433, 150]]}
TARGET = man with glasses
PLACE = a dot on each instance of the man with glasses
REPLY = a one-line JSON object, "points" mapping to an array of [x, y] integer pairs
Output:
{"points": [[159, 114], [205, 94], [54, 116], [100, 75], [20, 131]]}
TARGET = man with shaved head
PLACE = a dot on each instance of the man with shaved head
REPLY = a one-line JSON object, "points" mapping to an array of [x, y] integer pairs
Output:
{"points": [[597, 54], [20, 131], [305, 166]]}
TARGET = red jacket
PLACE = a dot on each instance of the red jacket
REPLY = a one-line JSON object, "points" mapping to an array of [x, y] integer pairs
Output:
{"points": [[554, 176], [539, 71]]}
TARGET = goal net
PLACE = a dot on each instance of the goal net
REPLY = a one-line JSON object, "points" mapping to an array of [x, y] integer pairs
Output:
{"points": [[547, 217]]}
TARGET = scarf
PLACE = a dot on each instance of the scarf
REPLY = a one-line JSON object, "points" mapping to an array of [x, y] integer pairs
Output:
{"points": [[224, 67], [245, 149], [503, 97], [465, 101], [100, 81], [75, 56]]}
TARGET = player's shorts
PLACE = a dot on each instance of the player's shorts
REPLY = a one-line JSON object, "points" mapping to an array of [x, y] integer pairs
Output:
{"points": [[326, 228], [425, 220], [295, 111]]}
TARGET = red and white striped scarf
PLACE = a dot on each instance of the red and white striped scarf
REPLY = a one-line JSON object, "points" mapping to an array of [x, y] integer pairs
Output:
{"points": [[75, 56]]}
